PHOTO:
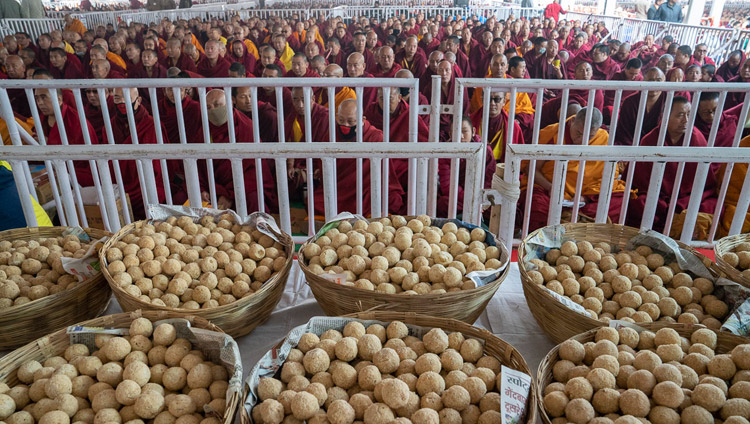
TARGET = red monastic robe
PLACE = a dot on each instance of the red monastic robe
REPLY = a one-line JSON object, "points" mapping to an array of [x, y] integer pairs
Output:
{"points": [[74, 132]]}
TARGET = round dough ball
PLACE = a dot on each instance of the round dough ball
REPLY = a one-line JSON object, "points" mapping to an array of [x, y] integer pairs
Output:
{"points": [[456, 397], [304, 405], [435, 341], [55, 417], [606, 401], [271, 412], [340, 412], [695, 414], [579, 411], [164, 335], [149, 404], [579, 388], [634, 402], [740, 355], [572, 350], [708, 396], [722, 366], [669, 394], [395, 393], [555, 403], [379, 413], [316, 360]]}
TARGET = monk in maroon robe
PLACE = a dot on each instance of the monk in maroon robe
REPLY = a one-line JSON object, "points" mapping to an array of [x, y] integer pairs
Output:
{"points": [[335, 54], [738, 97], [175, 57], [577, 46], [213, 65], [92, 107], [447, 97], [425, 81], [346, 169], [268, 94], [301, 67], [625, 135], [399, 128], [676, 131], [355, 68], [359, 46], [631, 72], [145, 129], [191, 113], [64, 65], [267, 117], [708, 112], [16, 70], [386, 67], [72, 124], [429, 44], [412, 57], [603, 67], [468, 135], [551, 108], [239, 53], [731, 67], [497, 128], [268, 57], [243, 130]]}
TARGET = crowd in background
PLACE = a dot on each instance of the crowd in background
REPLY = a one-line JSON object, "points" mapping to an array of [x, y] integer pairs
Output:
{"points": [[546, 47]]}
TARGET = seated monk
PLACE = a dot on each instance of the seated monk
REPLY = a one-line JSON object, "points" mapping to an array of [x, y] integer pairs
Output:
{"points": [[447, 97], [146, 134], [100, 69], [734, 189], [625, 134], [386, 68], [267, 119], [592, 177], [737, 97], [677, 125], [175, 57], [355, 68], [239, 53], [301, 67], [425, 81], [294, 130], [243, 130], [412, 57], [551, 108], [707, 114], [213, 65], [268, 94], [72, 126], [346, 132], [731, 66], [497, 126], [399, 127], [468, 135], [92, 107], [64, 65], [603, 66], [342, 93], [665, 63], [16, 70], [191, 114], [693, 74], [630, 72], [524, 108], [267, 57]]}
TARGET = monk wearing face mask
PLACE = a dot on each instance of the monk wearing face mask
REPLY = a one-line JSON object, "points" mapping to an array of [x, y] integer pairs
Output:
{"points": [[218, 125]]}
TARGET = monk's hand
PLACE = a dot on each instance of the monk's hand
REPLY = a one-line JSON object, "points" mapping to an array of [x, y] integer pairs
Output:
{"points": [[223, 203], [291, 171], [204, 196]]}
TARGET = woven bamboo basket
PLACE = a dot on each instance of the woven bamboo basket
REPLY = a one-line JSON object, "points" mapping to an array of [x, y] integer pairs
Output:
{"points": [[725, 342], [464, 305], [493, 346], [726, 245], [557, 320], [55, 344], [237, 318], [24, 323]]}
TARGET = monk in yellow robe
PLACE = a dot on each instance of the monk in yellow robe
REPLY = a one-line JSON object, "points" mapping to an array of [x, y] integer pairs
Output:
{"points": [[524, 108], [74, 25], [342, 93], [736, 180], [592, 177]]}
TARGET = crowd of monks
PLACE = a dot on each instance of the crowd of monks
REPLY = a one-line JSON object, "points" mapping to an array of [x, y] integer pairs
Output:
{"points": [[422, 47]]}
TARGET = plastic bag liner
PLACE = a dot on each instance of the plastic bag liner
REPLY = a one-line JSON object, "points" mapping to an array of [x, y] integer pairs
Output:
{"points": [[553, 237], [272, 361], [480, 278], [219, 348], [260, 220]]}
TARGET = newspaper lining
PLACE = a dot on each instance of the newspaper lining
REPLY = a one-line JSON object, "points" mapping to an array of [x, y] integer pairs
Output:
{"points": [[272, 361], [260, 220], [514, 391], [86, 266], [480, 278], [219, 348]]}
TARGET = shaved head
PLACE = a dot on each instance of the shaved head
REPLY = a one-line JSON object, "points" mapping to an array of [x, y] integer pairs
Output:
{"points": [[333, 71]]}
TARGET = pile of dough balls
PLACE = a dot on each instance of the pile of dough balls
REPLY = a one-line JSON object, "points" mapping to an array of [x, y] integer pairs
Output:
{"points": [[739, 258], [179, 263], [382, 375], [634, 286], [149, 376], [31, 269], [393, 255], [623, 377]]}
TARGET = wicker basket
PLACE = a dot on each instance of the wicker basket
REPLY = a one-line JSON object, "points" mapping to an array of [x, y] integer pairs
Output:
{"points": [[725, 342], [464, 305], [22, 324], [237, 318], [56, 343], [493, 346], [726, 245], [557, 320]]}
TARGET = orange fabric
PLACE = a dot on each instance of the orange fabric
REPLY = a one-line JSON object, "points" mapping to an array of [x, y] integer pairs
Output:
{"points": [[343, 94], [523, 102], [114, 57], [252, 49], [592, 174], [734, 188], [28, 126], [194, 41], [76, 26]]}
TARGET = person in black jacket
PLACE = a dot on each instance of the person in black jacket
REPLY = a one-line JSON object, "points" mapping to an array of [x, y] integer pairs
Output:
{"points": [[653, 11]]}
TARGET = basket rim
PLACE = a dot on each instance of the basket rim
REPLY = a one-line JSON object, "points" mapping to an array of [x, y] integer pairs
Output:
{"points": [[267, 285], [721, 247], [302, 261], [65, 294]]}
